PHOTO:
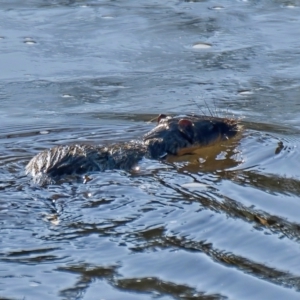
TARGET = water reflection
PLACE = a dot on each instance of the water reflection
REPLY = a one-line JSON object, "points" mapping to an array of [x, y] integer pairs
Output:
{"points": [[242, 263]]}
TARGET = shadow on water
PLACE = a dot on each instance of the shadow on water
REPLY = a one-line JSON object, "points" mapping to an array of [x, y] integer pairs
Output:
{"points": [[151, 286]]}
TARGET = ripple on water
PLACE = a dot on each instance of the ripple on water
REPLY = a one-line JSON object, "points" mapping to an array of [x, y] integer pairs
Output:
{"points": [[169, 214], [221, 223]]}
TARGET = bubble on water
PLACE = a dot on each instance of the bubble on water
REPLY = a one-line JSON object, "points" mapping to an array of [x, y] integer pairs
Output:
{"points": [[86, 179], [29, 41], [290, 6], [201, 45], [55, 222], [67, 96], [217, 7], [245, 92], [34, 283], [52, 218], [107, 17]]}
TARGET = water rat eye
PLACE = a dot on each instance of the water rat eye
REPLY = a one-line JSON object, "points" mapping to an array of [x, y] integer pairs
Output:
{"points": [[160, 117]]}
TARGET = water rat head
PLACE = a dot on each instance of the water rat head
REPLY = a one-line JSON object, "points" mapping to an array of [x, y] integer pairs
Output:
{"points": [[179, 135]]}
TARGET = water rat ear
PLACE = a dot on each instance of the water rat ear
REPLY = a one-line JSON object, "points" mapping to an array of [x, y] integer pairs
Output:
{"points": [[160, 117], [185, 123]]}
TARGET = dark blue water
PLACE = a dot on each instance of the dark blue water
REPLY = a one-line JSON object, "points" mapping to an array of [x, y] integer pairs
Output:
{"points": [[220, 224]]}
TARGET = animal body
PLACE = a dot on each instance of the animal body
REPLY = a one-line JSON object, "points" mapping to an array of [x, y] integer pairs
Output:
{"points": [[171, 136]]}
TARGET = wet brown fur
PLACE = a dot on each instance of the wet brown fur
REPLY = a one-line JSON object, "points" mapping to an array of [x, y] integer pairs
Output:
{"points": [[171, 136]]}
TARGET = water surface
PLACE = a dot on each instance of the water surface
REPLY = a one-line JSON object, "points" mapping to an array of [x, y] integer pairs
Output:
{"points": [[220, 224]]}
